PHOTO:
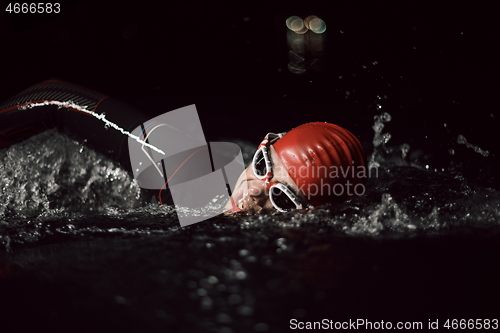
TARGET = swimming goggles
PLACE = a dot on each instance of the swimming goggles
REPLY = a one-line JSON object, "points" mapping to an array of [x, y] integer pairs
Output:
{"points": [[282, 198]]}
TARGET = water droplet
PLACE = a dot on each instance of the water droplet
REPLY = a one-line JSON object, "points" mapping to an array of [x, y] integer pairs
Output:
{"points": [[245, 310], [121, 300], [404, 149], [206, 303], [224, 318], [225, 329], [234, 299], [261, 327], [212, 279], [160, 313], [461, 140], [299, 313], [251, 259]]}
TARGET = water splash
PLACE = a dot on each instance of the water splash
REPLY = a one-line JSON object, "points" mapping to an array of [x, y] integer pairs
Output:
{"points": [[405, 148], [51, 174], [379, 139], [384, 155], [461, 140]]}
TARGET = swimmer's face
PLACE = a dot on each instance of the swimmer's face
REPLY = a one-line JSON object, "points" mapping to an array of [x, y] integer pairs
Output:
{"points": [[251, 194]]}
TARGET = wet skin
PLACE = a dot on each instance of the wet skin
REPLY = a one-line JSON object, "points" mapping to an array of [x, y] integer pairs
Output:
{"points": [[251, 195]]}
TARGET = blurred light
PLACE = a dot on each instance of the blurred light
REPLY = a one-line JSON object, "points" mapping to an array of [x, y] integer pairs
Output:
{"points": [[308, 19], [290, 20], [306, 49], [297, 68], [298, 44], [317, 25], [296, 24]]}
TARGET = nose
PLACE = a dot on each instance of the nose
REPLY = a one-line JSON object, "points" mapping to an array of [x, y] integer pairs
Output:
{"points": [[257, 193], [257, 190], [252, 194]]}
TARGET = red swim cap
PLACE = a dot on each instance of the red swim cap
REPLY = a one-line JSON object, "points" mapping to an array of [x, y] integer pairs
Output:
{"points": [[326, 161]]}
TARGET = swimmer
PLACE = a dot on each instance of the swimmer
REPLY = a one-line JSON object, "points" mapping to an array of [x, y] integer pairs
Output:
{"points": [[311, 165], [58, 104]]}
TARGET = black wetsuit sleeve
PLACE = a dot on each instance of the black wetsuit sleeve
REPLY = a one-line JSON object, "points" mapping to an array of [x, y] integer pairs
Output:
{"points": [[17, 122]]}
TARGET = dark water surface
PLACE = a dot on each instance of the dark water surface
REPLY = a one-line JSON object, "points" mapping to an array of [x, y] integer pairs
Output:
{"points": [[81, 250]]}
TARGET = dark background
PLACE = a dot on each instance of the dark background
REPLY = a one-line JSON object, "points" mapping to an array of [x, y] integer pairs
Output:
{"points": [[430, 65]]}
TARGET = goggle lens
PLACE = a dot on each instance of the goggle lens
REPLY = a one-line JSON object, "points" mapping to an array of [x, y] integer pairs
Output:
{"points": [[260, 164], [281, 199]]}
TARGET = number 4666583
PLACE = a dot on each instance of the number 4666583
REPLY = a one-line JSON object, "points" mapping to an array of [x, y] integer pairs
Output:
{"points": [[41, 7]]}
